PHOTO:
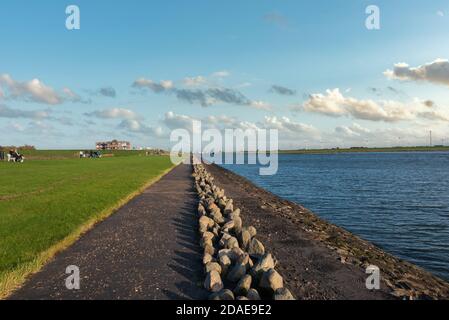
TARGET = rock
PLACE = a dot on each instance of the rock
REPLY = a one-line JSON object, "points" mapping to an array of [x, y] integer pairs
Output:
{"points": [[209, 249], [265, 263], [253, 294], [228, 225], [236, 272], [245, 239], [241, 298], [237, 225], [222, 204], [252, 231], [217, 217], [224, 240], [271, 281], [256, 248], [237, 252], [245, 260], [225, 294], [205, 242], [243, 285], [208, 235], [207, 258], [205, 223], [283, 294], [213, 266], [201, 210], [232, 243], [229, 208], [225, 263], [213, 281]]}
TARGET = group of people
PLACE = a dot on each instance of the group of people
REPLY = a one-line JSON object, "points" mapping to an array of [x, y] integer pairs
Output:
{"points": [[90, 154], [12, 156]]}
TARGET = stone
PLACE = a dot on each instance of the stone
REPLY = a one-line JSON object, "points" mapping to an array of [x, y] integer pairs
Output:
{"points": [[243, 285], [207, 258], [256, 248], [283, 294], [245, 239], [217, 217], [224, 240], [265, 263], [228, 225], [205, 223], [208, 235], [237, 225], [205, 242], [253, 294], [225, 263], [241, 298], [213, 282], [213, 266], [222, 204], [225, 294], [236, 253], [236, 272], [252, 231], [201, 210], [229, 208], [232, 243], [209, 249], [271, 281]]}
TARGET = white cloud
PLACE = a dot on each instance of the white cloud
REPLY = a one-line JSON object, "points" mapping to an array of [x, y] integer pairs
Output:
{"points": [[194, 81], [33, 90], [335, 104], [221, 74], [434, 72], [6, 112], [152, 85], [440, 13], [114, 113]]}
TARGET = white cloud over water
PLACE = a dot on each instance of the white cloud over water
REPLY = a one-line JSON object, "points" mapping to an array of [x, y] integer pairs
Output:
{"points": [[435, 72]]}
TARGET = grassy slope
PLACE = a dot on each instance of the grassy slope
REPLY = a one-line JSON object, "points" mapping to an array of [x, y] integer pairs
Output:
{"points": [[45, 205]]}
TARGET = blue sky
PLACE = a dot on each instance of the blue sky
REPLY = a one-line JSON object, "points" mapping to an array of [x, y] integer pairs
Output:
{"points": [[237, 48]]}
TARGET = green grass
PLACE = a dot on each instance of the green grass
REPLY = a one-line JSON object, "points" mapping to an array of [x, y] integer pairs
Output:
{"points": [[74, 154], [45, 205], [353, 150]]}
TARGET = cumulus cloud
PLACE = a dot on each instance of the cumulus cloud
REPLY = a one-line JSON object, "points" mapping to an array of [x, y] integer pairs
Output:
{"points": [[33, 90], [136, 126], [202, 96], [6, 112], [114, 113], [334, 104], [156, 87], [107, 92], [221, 74], [283, 90], [435, 72], [194, 81]]}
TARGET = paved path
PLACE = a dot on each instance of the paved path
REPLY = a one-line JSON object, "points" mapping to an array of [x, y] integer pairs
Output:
{"points": [[146, 250]]}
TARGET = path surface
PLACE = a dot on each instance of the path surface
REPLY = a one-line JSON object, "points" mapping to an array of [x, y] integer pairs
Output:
{"points": [[146, 250]]}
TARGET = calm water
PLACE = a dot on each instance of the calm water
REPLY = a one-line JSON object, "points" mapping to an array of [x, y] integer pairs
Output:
{"points": [[399, 201]]}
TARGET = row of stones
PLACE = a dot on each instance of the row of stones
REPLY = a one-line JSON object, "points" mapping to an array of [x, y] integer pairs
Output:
{"points": [[235, 261]]}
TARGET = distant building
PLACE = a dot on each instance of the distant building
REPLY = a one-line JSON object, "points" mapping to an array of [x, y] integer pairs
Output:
{"points": [[113, 145]]}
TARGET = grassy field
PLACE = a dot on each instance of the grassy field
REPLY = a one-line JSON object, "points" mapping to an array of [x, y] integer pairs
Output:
{"points": [[74, 154], [46, 204], [349, 150]]}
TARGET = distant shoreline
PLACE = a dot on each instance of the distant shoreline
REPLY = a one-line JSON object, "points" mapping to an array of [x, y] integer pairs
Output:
{"points": [[367, 150]]}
